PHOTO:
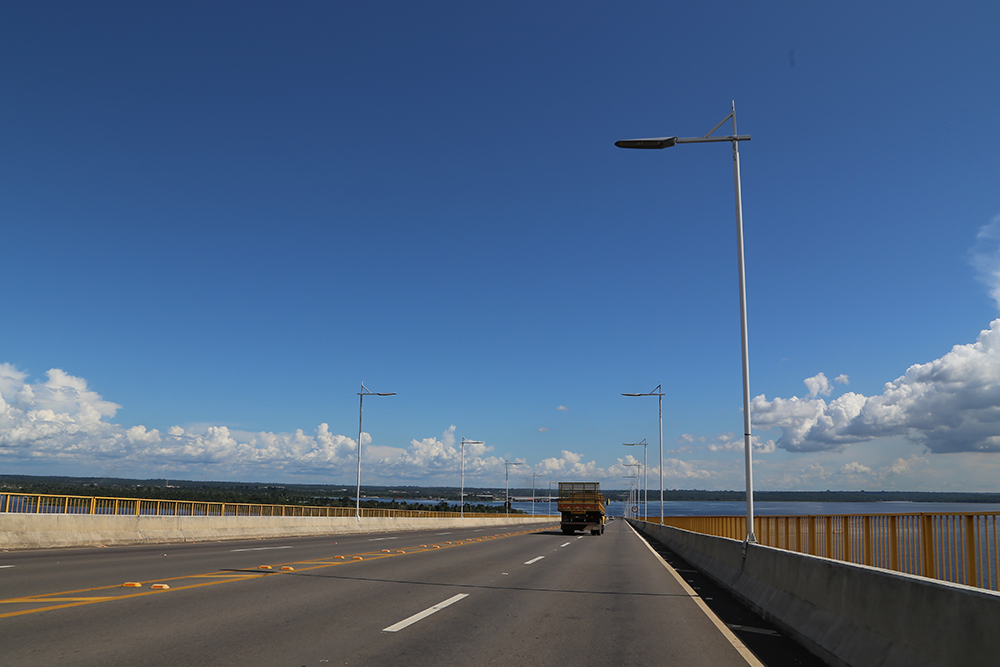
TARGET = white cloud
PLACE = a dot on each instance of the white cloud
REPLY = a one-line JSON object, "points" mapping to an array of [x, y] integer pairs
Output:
{"points": [[62, 420], [543, 429], [855, 468], [985, 257], [563, 408], [904, 466], [818, 384], [728, 442], [842, 379], [951, 404]]}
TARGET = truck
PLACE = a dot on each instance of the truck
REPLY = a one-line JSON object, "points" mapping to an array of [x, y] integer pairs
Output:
{"points": [[581, 506]]}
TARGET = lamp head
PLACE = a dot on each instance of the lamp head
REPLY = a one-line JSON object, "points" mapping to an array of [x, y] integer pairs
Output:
{"points": [[659, 142]]}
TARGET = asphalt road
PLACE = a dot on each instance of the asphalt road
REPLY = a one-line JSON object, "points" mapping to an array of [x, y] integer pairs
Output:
{"points": [[459, 597]]}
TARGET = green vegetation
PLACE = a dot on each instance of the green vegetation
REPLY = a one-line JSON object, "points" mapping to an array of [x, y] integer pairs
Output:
{"points": [[402, 497], [264, 494]]}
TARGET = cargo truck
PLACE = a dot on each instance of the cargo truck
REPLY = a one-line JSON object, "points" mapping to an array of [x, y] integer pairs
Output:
{"points": [[581, 506]]}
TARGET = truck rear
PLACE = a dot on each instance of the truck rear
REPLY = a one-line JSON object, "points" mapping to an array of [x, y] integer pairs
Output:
{"points": [[581, 506]]}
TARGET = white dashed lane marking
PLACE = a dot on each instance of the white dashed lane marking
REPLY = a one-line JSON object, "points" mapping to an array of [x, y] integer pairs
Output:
{"points": [[406, 622]]}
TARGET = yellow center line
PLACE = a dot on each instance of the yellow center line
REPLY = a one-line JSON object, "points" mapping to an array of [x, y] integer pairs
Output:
{"points": [[71, 600], [35, 600]]}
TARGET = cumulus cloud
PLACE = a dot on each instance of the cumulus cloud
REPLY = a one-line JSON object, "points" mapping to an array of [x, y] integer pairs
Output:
{"points": [[854, 468], [905, 466], [441, 458], [818, 384], [62, 419], [951, 404], [728, 442]]}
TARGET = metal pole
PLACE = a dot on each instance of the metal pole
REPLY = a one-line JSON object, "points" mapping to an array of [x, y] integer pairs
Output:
{"points": [[743, 331], [361, 406], [661, 458], [461, 494], [506, 477], [667, 142], [645, 486]]}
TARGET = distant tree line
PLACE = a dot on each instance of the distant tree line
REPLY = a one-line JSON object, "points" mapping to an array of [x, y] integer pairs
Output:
{"points": [[231, 492], [447, 497]]}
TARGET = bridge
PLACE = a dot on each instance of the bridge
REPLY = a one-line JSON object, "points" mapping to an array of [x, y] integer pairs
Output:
{"points": [[472, 591]]}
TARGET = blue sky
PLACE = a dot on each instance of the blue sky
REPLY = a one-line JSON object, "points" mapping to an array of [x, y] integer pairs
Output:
{"points": [[220, 218]]}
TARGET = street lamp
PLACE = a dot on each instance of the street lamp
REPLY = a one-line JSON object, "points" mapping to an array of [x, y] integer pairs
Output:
{"points": [[735, 139], [634, 502], [506, 480], [628, 502], [659, 393], [550, 483], [461, 498], [361, 394], [645, 482], [533, 476]]}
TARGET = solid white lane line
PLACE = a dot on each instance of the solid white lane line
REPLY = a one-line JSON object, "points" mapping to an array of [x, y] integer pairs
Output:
{"points": [[442, 533], [425, 613], [259, 549], [564, 545], [534, 560], [740, 647], [379, 539], [5, 566]]}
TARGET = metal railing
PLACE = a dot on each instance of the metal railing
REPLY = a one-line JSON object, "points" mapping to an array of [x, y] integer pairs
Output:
{"points": [[41, 503], [958, 547]]}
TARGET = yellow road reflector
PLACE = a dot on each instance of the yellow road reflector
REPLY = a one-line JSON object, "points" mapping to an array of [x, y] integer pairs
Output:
{"points": [[264, 567], [287, 568], [386, 551], [131, 584], [401, 552], [357, 558], [160, 587], [423, 546], [338, 557]]}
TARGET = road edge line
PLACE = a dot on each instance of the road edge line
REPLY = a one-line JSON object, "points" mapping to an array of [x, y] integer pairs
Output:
{"points": [[740, 647]]}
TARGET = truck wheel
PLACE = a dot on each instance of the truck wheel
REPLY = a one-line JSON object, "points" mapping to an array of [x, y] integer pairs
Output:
{"points": [[568, 531], [595, 531]]}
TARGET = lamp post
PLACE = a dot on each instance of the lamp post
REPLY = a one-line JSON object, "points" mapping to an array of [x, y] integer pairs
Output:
{"points": [[735, 139], [645, 483], [506, 481], [550, 497], [533, 476], [628, 501], [658, 393], [361, 406], [638, 477], [461, 495]]}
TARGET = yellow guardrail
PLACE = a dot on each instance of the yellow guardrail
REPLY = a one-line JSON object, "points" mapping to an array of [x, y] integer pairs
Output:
{"points": [[41, 503], [959, 547]]}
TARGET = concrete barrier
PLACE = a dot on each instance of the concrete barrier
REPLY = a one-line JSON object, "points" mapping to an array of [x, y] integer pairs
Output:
{"points": [[849, 615], [39, 531]]}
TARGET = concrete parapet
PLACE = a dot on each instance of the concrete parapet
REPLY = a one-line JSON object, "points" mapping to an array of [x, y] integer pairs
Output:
{"points": [[39, 531], [849, 615]]}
